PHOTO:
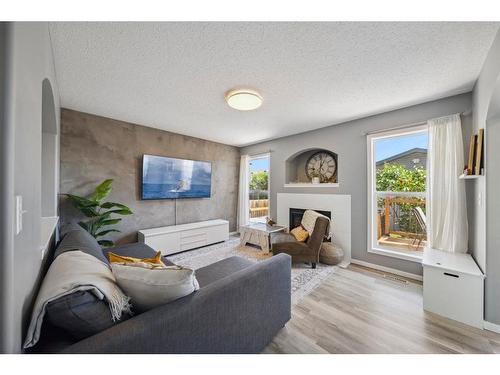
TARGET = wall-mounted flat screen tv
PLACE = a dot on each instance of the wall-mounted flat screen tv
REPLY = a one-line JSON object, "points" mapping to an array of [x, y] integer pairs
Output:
{"points": [[170, 178]]}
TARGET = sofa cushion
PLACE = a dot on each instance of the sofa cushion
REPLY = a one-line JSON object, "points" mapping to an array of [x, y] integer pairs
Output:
{"points": [[72, 272], [81, 314], [286, 243], [281, 237], [77, 238], [218, 270]]}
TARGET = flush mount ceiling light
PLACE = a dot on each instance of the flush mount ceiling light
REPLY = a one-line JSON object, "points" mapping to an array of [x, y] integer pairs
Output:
{"points": [[243, 99]]}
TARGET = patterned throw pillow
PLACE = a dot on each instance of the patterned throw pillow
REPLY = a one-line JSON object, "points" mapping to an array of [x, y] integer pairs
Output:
{"points": [[300, 234]]}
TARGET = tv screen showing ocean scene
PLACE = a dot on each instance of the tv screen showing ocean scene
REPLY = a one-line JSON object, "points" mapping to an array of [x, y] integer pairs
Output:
{"points": [[170, 178]]}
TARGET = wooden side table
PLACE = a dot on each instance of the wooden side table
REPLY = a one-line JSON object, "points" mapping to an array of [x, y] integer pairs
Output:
{"points": [[259, 234]]}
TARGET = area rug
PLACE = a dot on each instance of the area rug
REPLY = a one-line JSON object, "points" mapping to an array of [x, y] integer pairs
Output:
{"points": [[304, 278]]}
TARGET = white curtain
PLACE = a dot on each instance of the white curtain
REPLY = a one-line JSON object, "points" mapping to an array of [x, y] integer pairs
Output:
{"points": [[244, 191], [447, 210]]}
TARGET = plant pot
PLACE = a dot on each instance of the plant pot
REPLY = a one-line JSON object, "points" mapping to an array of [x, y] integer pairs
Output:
{"points": [[315, 180]]}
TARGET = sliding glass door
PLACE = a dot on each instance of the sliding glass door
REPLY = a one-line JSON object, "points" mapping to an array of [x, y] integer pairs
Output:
{"points": [[259, 188]]}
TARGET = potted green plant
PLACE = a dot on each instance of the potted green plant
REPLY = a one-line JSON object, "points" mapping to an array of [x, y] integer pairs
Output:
{"points": [[101, 215]]}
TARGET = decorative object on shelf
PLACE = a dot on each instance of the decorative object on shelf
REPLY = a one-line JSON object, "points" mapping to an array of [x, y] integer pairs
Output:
{"points": [[479, 152], [475, 160], [472, 150], [99, 212], [322, 166], [270, 221], [315, 177]]}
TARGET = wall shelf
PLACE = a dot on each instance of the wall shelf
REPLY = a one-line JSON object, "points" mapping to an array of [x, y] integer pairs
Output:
{"points": [[470, 176], [311, 185], [47, 228], [296, 175]]}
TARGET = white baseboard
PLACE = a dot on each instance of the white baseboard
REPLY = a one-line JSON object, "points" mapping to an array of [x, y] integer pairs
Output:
{"points": [[491, 326], [387, 269], [234, 233]]}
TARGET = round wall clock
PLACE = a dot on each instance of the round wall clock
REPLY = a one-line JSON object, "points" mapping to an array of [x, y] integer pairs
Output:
{"points": [[323, 163]]}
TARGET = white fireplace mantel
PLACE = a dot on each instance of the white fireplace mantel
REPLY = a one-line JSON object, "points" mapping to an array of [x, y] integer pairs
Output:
{"points": [[338, 204]]}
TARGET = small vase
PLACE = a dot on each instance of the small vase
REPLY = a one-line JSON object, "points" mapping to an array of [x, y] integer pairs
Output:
{"points": [[315, 180]]}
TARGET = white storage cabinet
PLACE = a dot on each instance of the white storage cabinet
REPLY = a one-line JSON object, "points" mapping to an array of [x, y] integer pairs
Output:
{"points": [[453, 286], [176, 238]]}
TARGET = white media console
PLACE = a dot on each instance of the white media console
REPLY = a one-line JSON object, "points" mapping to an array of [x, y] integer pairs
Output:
{"points": [[176, 238]]}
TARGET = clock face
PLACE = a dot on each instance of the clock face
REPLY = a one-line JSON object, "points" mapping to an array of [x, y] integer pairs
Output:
{"points": [[323, 163]]}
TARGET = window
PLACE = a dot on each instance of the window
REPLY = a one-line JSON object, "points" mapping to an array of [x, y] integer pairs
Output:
{"points": [[259, 188], [397, 184]]}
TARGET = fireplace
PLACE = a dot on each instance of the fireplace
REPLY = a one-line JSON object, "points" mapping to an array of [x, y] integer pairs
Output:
{"points": [[337, 207], [297, 213]]}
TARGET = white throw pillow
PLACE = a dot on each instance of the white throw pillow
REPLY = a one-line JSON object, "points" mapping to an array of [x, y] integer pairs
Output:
{"points": [[149, 286]]}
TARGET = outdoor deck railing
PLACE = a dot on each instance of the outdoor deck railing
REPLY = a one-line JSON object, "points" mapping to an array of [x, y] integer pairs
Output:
{"points": [[396, 221], [259, 207]]}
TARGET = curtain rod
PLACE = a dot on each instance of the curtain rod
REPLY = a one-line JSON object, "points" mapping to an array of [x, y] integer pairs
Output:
{"points": [[464, 113]]}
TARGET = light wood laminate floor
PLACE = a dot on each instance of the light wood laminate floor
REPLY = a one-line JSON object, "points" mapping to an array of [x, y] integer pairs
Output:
{"points": [[358, 310]]}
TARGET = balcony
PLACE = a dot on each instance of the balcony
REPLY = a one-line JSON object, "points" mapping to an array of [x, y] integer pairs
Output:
{"points": [[401, 221]]}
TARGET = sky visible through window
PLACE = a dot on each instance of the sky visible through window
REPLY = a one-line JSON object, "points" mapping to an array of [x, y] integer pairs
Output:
{"points": [[261, 164], [388, 147]]}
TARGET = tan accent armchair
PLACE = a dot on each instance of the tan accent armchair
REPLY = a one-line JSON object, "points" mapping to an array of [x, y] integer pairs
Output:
{"points": [[301, 251]]}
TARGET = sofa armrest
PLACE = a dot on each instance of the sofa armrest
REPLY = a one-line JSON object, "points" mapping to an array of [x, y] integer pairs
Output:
{"points": [[240, 313]]}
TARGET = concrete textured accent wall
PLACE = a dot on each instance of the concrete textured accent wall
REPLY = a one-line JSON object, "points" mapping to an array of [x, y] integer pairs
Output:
{"points": [[94, 148], [348, 140]]}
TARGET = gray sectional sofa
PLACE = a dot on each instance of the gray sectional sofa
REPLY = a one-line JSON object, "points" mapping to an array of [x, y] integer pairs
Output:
{"points": [[239, 308]]}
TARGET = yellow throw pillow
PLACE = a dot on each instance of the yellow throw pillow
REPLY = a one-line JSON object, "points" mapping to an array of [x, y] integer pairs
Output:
{"points": [[300, 234], [154, 262]]}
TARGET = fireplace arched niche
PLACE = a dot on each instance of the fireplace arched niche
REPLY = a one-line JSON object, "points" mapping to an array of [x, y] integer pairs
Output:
{"points": [[295, 168]]}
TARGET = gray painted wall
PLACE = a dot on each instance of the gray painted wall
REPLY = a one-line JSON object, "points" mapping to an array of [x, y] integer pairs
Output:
{"points": [[486, 98], [94, 148], [348, 140], [6, 190], [28, 59]]}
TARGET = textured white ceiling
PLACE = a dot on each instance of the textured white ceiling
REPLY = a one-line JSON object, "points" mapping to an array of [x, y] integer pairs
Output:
{"points": [[173, 76]]}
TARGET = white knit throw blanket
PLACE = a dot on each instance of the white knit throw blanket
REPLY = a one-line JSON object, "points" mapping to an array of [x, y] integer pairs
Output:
{"points": [[309, 221], [70, 272]]}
